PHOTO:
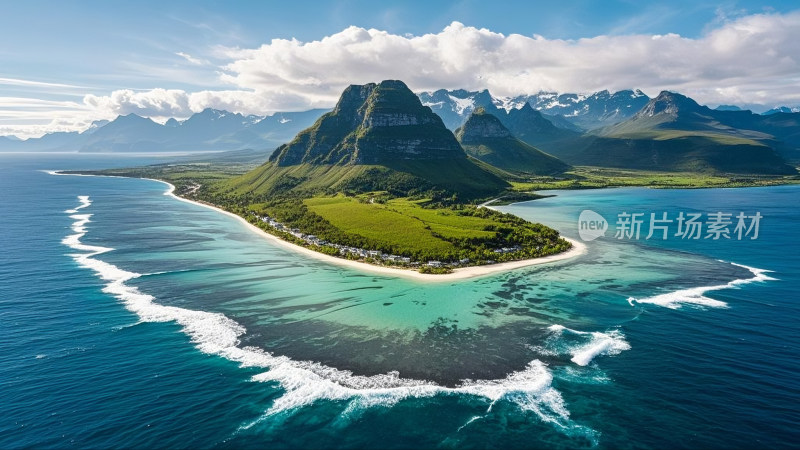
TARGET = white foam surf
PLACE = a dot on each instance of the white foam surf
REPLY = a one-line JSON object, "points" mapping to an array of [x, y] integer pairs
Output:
{"points": [[696, 296], [306, 382], [582, 346], [85, 202]]}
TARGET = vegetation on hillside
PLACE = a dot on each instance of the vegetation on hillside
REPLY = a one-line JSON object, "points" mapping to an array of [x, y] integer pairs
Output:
{"points": [[588, 177], [485, 138]]}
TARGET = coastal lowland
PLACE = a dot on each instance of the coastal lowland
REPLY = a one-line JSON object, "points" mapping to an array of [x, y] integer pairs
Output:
{"points": [[381, 180]]}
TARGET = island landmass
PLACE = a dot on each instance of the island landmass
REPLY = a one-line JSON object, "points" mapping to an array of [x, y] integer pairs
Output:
{"points": [[380, 180]]}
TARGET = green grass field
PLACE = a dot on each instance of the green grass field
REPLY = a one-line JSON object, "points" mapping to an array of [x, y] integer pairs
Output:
{"points": [[584, 177], [718, 137], [400, 222]]}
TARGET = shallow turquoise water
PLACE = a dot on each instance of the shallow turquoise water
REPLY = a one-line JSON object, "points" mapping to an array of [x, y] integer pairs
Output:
{"points": [[209, 336]]}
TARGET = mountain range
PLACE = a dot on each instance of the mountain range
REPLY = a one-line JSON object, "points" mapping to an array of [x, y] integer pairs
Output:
{"points": [[576, 112], [484, 137], [628, 130], [673, 132], [208, 130], [379, 137]]}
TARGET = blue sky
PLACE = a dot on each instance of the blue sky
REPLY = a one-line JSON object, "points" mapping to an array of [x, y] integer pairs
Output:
{"points": [[55, 54]]}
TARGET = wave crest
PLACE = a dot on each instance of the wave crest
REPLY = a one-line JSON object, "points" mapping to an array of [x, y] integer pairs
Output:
{"points": [[696, 296], [582, 346], [305, 382]]}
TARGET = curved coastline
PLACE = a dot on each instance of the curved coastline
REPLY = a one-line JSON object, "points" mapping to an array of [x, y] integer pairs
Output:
{"points": [[578, 248]]}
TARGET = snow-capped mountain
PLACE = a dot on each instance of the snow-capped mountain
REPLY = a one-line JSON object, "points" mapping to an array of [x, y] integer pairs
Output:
{"points": [[781, 109], [569, 111], [455, 106], [591, 111]]}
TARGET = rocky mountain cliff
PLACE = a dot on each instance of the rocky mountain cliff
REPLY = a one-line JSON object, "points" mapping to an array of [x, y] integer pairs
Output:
{"points": [[530, 126], [599, 109], [574, 112], [481, 126], [484, 137], [372, 124], [379, 137]]}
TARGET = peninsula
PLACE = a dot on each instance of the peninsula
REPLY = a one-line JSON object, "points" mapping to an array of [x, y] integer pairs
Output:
{"points": [[381, 180]]}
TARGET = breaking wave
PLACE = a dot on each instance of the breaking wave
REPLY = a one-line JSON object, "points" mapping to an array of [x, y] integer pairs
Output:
{"points": [[696, 296], [85, 202], [305, 382], [582, 346]]}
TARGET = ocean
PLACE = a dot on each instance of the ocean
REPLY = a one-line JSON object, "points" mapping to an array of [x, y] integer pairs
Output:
{"points": [[131, 319]]}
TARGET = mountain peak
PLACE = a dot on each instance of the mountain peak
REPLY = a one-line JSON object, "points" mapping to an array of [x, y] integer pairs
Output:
{"points": [[484, 137], [601, 94], [526, 108], [781, 109], [481, 125], [130, 117], [372, 124], [214, 114], [670, 103]]}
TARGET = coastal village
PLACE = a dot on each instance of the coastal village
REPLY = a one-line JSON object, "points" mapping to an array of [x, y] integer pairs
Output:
{"points": [[360, 253]]}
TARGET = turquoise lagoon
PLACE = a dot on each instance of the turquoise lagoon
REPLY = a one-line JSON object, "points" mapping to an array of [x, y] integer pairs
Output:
{"points": [[132, 319]]}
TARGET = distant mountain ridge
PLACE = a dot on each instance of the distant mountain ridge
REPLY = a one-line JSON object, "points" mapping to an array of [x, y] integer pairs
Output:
{"points": [[781, 109], [576, 112], [673, 132], [630, 122], [485, 138], [207, 130], [674, 111]]}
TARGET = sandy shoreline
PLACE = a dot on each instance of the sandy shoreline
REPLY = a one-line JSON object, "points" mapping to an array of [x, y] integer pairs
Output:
{"points": [[578, 248]]}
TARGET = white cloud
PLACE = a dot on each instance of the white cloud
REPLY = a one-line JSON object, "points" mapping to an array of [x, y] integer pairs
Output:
{"points": [[756, 56], [33, 83], [163, 103], [156, 102], [192, 59], [35, 127], [748, 60]]}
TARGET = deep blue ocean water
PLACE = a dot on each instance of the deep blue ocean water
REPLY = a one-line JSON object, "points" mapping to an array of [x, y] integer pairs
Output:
{"points": [[130, 319]]}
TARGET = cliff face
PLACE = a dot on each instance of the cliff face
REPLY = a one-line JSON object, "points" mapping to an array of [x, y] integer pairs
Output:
{"points": [[668, 103], [481, 125], [530, 126], [372, 124], [485, 138]]}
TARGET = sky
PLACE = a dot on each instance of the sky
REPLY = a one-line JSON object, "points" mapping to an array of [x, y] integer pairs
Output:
{"points": [[65, 64]]}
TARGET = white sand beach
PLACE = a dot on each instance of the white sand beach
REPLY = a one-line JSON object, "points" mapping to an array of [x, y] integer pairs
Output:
{"points": [[578, 248]]}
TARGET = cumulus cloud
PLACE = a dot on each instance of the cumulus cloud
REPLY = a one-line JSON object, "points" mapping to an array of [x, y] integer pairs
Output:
{"points": [[164, 103], [745, 60], [752, 59], [156, 102]]}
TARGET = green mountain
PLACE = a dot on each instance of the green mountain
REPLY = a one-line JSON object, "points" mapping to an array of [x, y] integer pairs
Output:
{"points": [[530, 126], [484, 137], [378, 137], [673, 132]]}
